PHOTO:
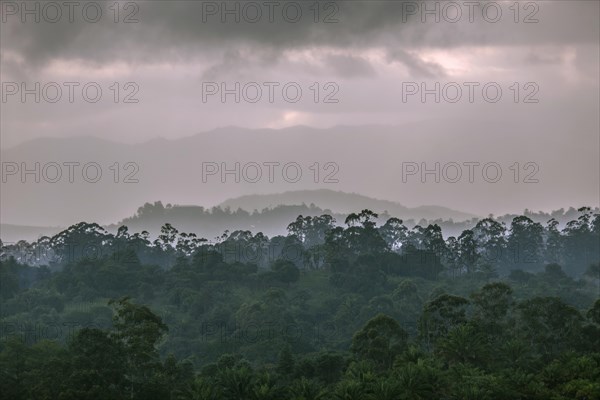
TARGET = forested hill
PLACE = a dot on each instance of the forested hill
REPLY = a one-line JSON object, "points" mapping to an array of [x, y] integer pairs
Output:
{"points": [[358, 311], [343, 203], [522, 244], [256, 214], [303, 302], [270, 214]]}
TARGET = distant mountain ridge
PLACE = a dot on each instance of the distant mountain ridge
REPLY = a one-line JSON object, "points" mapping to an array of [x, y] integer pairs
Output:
{"points": [[369, 160], [270, 214], [342, 202]]}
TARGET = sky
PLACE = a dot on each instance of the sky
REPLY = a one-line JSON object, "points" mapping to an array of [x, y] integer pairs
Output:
{"points": [[162, 68]]}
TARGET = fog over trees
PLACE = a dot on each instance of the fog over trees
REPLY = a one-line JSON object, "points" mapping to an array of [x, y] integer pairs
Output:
{"points": [[299, 200], [331, 310]]}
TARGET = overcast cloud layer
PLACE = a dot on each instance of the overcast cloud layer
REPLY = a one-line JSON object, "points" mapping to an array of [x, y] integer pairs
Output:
{"points": [[368, 56]]}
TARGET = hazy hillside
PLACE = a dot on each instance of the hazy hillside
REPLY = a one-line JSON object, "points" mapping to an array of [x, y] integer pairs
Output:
{"points": [[271, 214], [257, 214], [172, 171], [341, 202], [13, 233]]}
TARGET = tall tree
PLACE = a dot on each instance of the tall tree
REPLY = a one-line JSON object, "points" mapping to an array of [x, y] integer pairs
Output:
{"points": [[380, 341], [138, 330]]}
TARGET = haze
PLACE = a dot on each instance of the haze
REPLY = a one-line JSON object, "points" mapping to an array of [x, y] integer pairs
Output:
{"points": [[368, 61]]}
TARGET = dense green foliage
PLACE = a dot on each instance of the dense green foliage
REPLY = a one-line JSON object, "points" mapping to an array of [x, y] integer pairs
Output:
{"points": [[327, 312]]}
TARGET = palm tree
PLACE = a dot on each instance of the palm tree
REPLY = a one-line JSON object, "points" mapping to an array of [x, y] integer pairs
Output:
{"points": [[349, 390], [235, 383], [202, 389], [305, 389], [265, 388], [386, 389], [416, 382], [463, 344]]}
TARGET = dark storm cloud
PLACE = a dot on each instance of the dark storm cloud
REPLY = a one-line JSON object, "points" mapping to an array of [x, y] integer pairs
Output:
{"points": [[369, 53], [235, 60], [184, 30], [180, 29]]}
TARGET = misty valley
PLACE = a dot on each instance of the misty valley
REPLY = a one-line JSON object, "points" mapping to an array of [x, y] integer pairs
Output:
{"points": [[300, 200], [330, 310]]}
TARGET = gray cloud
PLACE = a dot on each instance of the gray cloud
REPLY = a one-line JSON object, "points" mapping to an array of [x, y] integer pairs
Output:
{"points": [[369, 53], [350, 66], [417, 67], [176, 29]]}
